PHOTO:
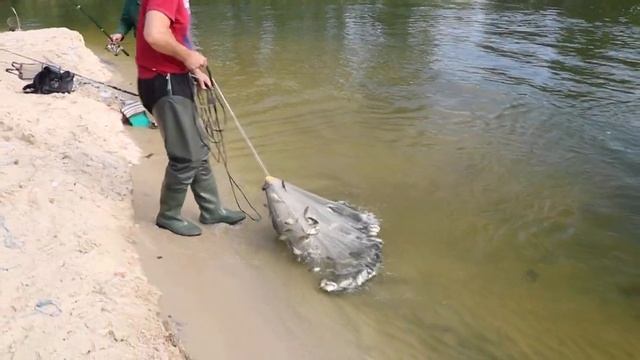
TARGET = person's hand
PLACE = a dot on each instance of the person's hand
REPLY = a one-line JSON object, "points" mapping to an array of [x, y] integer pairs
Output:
{"points": [[116, 38], [203, 79], [195, 61]]}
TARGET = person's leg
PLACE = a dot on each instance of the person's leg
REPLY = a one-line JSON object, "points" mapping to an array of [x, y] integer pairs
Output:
{"points": [[185, 151], [188, 158], [205, 192], [172, 107]]}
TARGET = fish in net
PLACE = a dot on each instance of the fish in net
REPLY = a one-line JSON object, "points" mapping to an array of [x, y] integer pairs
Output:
{"points": [[335, 240]]}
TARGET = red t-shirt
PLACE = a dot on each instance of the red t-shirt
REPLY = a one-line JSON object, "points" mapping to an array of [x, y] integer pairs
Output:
{"points": [[151, 62]]}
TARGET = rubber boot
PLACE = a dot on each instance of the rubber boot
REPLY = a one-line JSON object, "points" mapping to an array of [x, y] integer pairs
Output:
{"points": [[171, 200], [205, 192]]}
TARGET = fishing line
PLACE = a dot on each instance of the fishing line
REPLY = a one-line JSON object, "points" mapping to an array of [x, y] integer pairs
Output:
{"points": [[78, 75], [217, 88]]}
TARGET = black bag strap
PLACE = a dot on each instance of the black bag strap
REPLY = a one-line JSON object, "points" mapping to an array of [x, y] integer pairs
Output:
{"points": [[35, 87], [29, 88]]}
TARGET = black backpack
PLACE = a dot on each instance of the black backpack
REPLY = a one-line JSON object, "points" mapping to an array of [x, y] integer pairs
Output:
{"points": [[49, 81]]}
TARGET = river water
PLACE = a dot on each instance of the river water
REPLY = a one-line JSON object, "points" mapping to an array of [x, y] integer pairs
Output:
{"points": [[496, 140]]}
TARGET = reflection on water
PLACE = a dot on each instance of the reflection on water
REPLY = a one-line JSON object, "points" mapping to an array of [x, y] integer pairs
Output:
{"points": [[497, 141]]}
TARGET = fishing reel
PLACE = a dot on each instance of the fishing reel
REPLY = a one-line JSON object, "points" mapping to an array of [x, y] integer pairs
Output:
{"points": [[115, 48]]}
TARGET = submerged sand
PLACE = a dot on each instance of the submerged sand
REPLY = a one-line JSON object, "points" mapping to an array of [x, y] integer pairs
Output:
{"points": [[71, 282]]}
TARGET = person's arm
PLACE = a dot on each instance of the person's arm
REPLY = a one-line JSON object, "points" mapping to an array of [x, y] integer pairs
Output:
{"points": [[126, 22], [157, 32]]}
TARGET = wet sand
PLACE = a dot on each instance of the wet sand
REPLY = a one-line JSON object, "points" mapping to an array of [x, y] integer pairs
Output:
{"points": [[231, 292]]}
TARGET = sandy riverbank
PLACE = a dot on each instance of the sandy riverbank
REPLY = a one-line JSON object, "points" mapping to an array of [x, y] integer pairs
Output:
{"points": [[71, 282]]}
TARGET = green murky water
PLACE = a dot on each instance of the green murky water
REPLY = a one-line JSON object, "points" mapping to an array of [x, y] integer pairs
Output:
{"points": [[497, 140]]}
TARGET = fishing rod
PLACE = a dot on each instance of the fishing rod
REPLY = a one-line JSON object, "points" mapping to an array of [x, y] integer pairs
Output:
{"points": [[115, 48], [78, 75]]}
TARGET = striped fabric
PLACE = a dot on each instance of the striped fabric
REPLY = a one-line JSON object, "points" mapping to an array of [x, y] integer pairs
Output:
{"points": [[131, 108]]}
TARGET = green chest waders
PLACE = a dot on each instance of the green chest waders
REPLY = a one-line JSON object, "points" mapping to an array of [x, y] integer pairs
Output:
{"points": [[188, 166]]}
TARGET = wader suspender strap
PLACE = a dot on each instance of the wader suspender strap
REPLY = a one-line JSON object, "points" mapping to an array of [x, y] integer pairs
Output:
{"points": [[169, 89]]}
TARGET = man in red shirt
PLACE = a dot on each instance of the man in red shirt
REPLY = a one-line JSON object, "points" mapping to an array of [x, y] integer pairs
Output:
{"points": [[166, 65]]}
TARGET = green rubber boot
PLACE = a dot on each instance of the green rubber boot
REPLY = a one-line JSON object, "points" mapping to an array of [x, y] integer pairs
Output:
{"points": [[205, 192], [171, 200]]}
